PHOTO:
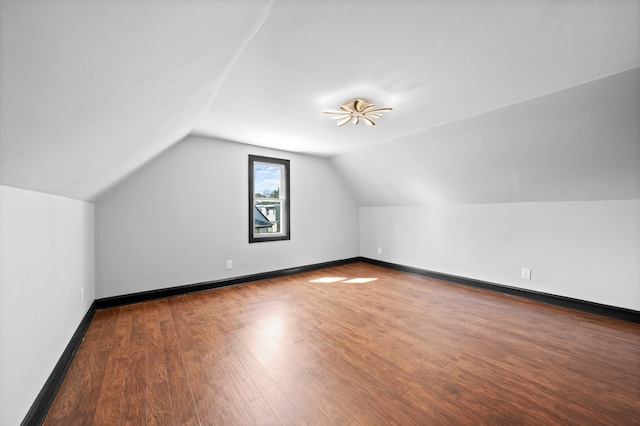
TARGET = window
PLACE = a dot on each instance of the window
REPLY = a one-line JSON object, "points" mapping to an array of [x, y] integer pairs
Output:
{"points": [[268, 199]]}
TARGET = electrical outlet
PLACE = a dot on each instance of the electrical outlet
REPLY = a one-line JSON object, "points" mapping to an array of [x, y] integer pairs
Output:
{"points": [[82, 294], [379, 250], [229, 264], [526, 273]]}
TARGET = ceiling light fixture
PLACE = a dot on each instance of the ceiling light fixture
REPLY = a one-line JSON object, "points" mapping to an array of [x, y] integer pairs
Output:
{"points": [[356, 110]]}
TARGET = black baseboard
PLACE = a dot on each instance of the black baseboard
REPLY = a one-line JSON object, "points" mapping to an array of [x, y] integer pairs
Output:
{"points": [[551, 299], [43, 402], [608, 311], [40, 407], [145, 296]]}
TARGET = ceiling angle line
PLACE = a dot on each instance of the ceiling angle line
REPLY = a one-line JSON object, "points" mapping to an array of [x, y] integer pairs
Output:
{"points": [[266, 12]]}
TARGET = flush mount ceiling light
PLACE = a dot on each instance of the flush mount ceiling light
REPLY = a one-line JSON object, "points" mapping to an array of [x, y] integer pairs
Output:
{"points": [[355, 111]]}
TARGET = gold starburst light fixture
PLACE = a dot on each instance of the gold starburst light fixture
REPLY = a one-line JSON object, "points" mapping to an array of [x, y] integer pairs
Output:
{"points": [[355, 111]]}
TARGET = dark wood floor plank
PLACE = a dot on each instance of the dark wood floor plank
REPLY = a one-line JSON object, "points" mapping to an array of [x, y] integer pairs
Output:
{"points": [[158, 399], [401, 349], [288, 376], [79, 394], [183, 405], [135, 406]]}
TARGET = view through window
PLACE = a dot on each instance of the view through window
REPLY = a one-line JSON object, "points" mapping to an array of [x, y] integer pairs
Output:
{"points": [[268, 199]]}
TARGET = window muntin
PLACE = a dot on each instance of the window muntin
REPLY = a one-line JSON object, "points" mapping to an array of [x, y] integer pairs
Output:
{"points": [[268, 199]]}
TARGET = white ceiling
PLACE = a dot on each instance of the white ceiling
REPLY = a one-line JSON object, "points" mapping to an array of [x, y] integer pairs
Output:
{"points": [[92, 90]]}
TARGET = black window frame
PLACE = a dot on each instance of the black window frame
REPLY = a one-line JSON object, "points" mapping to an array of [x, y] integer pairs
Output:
{"points": [[285, 196]]}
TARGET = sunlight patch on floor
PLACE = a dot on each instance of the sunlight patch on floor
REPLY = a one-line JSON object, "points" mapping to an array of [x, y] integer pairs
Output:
{"points": [[360, 280], [328, 280], [337, 279]]}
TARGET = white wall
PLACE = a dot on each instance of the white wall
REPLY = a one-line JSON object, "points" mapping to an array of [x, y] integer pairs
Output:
{"points": [[177, 219], [588, 250], [46, 257]]}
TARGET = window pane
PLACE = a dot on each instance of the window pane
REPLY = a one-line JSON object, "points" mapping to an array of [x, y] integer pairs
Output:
{"points": [[267, 216], [268, 199], [267, 180]]}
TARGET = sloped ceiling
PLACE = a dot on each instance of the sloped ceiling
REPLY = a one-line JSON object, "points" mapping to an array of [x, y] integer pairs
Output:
{"points": [[580, 144], [92, 90]]}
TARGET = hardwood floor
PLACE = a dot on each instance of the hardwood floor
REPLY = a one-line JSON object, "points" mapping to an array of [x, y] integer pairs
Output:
{"points": [[401, 349]]}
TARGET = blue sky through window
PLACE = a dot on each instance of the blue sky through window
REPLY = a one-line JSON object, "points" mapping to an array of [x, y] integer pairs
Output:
{"points": [[266, 178]]}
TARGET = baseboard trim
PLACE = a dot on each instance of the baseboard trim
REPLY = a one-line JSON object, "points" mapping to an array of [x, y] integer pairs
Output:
{"points": [[43, 402], [608, 311], [146, 296]]}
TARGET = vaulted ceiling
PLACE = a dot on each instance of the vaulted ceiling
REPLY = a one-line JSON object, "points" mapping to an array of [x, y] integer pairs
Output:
{"points": [[92, 90]]}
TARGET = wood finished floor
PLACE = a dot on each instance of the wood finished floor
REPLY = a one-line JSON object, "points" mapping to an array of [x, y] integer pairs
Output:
{"points": [[401, 350]]}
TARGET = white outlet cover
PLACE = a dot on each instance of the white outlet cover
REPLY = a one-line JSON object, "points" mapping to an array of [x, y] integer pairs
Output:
{"points": [[526, 273]]}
